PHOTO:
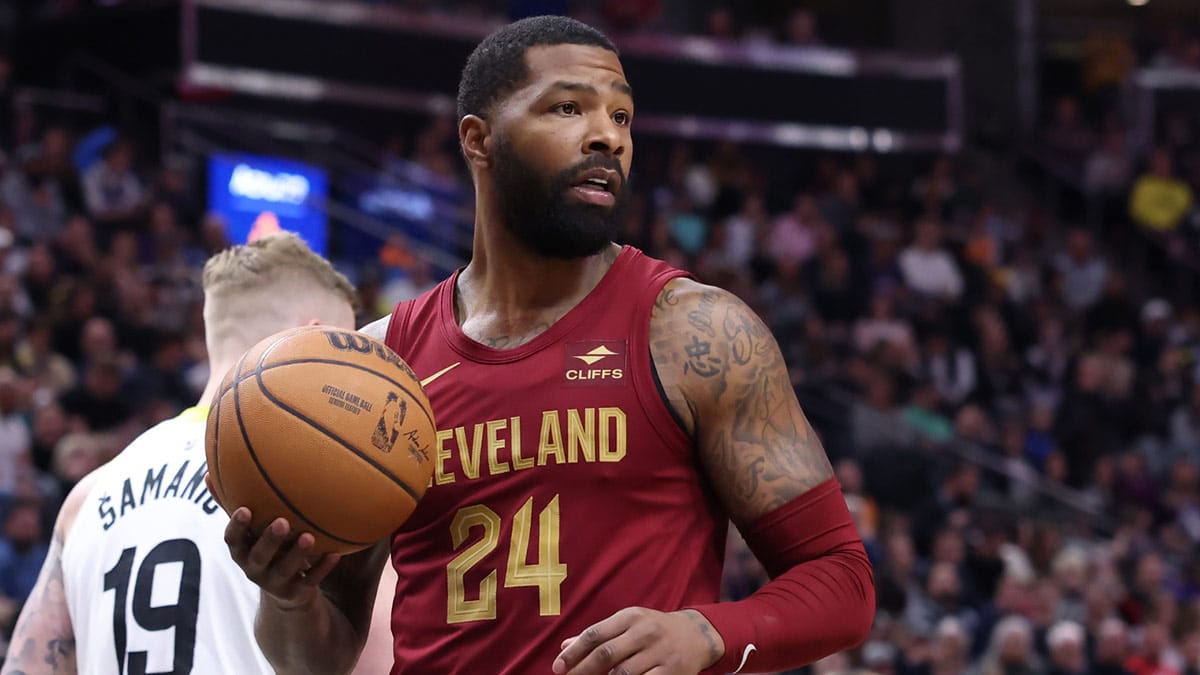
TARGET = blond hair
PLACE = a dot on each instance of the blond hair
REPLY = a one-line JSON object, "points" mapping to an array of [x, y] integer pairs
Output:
{"points": [[271, 259], [268, 285]]}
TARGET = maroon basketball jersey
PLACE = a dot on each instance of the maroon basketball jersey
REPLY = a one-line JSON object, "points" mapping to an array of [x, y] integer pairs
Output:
{"points": [[564, 489]]}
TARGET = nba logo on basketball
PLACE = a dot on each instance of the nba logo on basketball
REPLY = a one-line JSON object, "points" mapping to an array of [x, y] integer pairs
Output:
{"points": [[388, 427], [595, 363]]}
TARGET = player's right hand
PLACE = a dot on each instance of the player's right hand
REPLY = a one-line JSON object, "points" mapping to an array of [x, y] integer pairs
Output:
{"points": [[276, 561]]}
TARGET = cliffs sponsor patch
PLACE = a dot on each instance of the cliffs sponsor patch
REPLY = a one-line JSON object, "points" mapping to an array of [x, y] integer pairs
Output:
{"points": [[595, 363]]}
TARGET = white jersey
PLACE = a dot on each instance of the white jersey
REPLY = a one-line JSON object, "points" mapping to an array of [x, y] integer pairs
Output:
{"points": [[149, 582]]}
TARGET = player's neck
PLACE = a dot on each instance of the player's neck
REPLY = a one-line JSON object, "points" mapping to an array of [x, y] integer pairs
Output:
{"points": [[505, 279], [217, 370]]}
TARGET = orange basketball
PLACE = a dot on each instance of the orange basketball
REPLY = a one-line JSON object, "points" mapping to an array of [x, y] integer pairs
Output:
{"points": [[325, 427]]}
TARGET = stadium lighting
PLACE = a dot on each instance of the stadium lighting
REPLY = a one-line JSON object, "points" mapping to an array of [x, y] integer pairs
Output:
{"points": [[1138, 3]]}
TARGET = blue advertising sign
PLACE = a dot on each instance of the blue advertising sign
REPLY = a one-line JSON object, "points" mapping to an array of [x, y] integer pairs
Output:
{"points": [[258, 195]]}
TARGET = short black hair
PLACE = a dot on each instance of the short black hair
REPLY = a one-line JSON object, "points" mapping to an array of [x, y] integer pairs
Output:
{"points": [[497, 66]]}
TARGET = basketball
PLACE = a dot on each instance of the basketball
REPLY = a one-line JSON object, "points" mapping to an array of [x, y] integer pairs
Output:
{"points": [[327, 428]]}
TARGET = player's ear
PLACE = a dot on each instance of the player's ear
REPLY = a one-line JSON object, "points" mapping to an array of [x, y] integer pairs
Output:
{"points": [[475, 135], [313, 322]]}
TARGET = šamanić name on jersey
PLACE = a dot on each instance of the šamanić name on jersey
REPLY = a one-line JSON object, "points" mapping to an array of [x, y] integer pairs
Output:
{"points": [[167, 481]]}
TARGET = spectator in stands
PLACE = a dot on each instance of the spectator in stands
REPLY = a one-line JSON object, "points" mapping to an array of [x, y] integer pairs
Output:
{"points": [[22, 550], [928, 268], [49, 427], [1111, 648], [113, 194], [1065, 643], [1154, 655], [793, 235], [1010, 651], [949, 506], [40, 183], [1082, 271], [876, 420], [1108, 169], [951, 650], [949, 366], [1185, 426], [1068, 134], [1160, 200], [15, 440], [97, 400]]}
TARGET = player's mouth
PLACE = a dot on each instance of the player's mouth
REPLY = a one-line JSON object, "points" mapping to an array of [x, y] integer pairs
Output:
{"points": [[597, 186]]}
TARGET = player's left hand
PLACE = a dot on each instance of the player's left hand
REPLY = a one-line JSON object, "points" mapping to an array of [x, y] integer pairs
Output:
{"points": [[637, 640]]}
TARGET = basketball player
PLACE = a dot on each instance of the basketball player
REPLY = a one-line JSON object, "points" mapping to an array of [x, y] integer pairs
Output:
{"points": [[138, 578], [602, 416]]}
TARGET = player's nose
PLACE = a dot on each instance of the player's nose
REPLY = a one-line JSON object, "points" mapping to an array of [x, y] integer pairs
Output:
{"points": [[603, 135]]}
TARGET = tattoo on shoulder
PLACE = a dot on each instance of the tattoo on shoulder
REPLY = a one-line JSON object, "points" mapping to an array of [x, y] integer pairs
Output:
{"points": [[699, 357], [666, 299], [729, 363]]}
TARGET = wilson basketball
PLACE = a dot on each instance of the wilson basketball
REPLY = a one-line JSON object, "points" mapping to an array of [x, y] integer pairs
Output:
{"points": [[325, 427]]}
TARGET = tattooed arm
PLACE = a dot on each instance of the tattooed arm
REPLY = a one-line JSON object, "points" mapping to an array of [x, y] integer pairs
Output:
{"points": [[725, 379], [43, 641]]}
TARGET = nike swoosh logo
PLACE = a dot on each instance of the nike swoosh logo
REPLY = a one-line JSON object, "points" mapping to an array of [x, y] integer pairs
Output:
{"points": [[426, 382], [745, 656]]}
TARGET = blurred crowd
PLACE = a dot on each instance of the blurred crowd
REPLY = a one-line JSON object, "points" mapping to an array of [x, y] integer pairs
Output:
{"points": [[1013, 416]]}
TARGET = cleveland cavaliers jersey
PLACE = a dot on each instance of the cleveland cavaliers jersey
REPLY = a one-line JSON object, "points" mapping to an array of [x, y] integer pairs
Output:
{"points": [[564, 490], [150, 585]]}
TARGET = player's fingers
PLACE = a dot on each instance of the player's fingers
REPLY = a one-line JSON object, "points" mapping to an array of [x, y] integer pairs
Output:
{"points": [[266, 548], [237, 534], [290, 561], [595, 640], [565, 643], [641, 663], [608, 655], [315, 574]]}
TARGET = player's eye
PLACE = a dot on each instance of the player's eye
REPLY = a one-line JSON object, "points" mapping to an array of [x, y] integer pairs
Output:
{"points": [[621, 118], [567, 108]]}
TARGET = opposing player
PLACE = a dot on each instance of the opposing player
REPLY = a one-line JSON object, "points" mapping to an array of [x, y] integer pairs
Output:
{"points": [[138, 579], [602, 418]]}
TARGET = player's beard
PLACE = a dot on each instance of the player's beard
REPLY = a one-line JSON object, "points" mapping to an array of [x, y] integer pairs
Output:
{"points": [[540, 212]]}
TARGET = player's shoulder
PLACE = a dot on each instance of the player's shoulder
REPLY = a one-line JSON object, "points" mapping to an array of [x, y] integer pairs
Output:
{"points": [[701, 337], [685, 305], [153, 443], [74, 501], [421, 305], [185, 428]]}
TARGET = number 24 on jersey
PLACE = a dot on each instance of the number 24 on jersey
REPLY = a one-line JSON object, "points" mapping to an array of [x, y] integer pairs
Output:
{"points": [[547, 574]]}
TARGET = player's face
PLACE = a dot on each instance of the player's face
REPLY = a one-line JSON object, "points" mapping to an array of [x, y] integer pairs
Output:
{"points": [[562, 151]]}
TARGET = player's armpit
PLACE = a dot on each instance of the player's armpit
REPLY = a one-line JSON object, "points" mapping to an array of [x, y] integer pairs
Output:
{"points": [[725, 377], [44, 639]]}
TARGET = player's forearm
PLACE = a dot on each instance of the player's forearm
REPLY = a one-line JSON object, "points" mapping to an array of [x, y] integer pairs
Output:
{"points": [[817, 608], [32, 654], [821, 598], [315, 639]]}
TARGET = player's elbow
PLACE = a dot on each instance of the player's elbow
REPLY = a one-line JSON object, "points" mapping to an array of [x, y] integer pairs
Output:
{"points": [[859, 608]]}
